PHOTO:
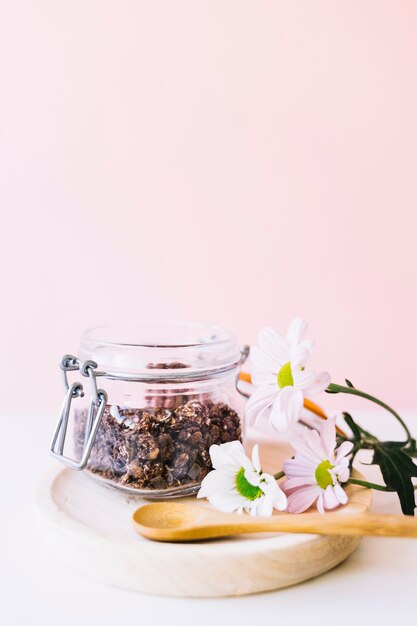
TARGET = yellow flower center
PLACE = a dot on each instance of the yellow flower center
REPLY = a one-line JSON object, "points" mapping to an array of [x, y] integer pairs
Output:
{"points": [[284, 378], [322, 474]]}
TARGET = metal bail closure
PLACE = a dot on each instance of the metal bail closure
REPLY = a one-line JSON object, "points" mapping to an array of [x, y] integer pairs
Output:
{"points": [[97, 404], [244, 351]]}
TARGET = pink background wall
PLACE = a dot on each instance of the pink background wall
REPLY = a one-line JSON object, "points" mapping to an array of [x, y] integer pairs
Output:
{"points": [[231, 161]]}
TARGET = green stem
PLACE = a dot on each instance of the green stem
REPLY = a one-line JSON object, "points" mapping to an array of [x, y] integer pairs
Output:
{"points": [[364, 483], [279, 475], [333, 388]]}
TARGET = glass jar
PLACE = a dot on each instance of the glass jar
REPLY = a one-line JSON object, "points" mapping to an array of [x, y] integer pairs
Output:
{"points": [[160, 395]]}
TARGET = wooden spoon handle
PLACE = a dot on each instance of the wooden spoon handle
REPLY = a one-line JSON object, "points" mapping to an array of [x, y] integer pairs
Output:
{"points": [[325, 524], [340, 524]]}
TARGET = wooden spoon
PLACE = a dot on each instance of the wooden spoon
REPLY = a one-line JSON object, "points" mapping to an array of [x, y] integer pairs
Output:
{"points": [[174, 521]]}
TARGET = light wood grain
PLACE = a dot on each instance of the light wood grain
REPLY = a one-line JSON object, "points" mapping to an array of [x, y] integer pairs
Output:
{"points": [[90, 529]]}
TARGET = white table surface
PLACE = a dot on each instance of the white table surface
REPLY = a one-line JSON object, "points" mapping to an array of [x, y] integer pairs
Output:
{"points": [[379, 579]]}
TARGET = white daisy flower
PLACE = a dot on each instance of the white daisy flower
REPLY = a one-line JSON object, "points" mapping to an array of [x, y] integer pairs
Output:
{"points": [[279, 373], [317, 469], [238, 484]]}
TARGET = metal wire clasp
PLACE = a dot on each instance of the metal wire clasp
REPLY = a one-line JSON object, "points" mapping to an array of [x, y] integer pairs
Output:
{"points": [[244, 351], [97, 404]]}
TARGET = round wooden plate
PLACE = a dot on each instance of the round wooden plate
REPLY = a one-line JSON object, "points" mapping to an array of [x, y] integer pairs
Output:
{"points": [[90, 528]]}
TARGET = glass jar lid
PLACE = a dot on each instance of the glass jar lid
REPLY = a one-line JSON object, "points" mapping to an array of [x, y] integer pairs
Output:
{"points": [[159, 351]]}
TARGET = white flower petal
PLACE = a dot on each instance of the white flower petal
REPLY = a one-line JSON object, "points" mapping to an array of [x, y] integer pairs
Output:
{"points": [[273, 345], [259, 401], [252, 476], [268, 479], [251, 508], [263, 379], [299, 355], [320, 383], [296, 330], [215, 481], [263, 366], [281, 501], [277, 418], [264, 506], [292, 404], [237, 453], [273, 491], [255, 458], [302, 379], [308, 344], [227, 456], [227, 501], [286, 410]]}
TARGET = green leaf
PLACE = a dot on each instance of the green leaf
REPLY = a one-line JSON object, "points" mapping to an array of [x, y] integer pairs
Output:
{"points": [[411, 449], [356, 430], [397, 469], [349, 384]]}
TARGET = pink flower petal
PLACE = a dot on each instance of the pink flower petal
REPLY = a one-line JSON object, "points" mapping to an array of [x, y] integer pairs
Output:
{"points": [[299, 445], [312, 441], [343, 474], [340, 494], [320, 504], [329, 498], [298, 481], [301, 499], [343, 450], [341, 469], [328, 435], [299, 467]]}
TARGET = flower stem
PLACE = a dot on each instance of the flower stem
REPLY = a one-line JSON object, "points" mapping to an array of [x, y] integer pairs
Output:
{"points": [[365, 483], [333, 388], [279, 475]]}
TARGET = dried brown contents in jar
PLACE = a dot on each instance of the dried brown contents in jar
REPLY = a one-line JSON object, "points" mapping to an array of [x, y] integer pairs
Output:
{"points": [[158, 448]]}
